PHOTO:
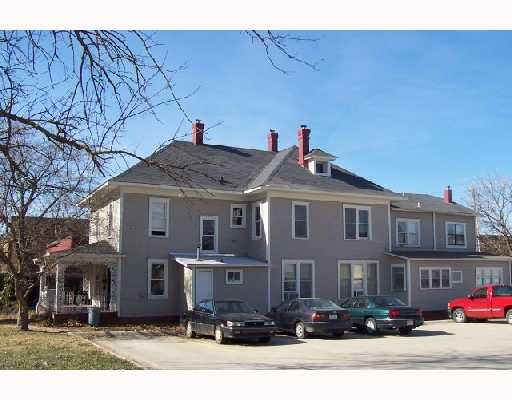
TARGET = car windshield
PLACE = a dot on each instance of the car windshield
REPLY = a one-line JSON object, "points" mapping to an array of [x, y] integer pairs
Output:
{"points": [[320, 304], [387, 301], [228, 307]]}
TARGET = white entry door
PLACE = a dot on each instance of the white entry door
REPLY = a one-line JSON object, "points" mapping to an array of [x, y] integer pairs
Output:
{"points": [[204, 285]]}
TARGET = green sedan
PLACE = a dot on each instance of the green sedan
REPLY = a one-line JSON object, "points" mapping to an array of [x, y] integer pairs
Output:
{"points": [[373, 313]]}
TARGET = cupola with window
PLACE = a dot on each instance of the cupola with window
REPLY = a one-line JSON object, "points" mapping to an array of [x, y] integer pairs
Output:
{"points": [[319, 162]]}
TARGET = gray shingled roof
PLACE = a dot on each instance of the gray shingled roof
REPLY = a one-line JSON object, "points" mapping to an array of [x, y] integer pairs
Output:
{"points": [[289, 174], [201, 167], [230, 168], [429, 203], [319, 153]]}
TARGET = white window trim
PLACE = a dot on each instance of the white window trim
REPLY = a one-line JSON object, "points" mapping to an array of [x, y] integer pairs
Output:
{"points": [[244, 216], [163, 261], [430, 269], [284, 262], [396, 266], [312, 167], [357, 207], [398, 244], [365, 263], [253, 222], [240, 282], [300, 203], [216, 241], [166, 201], [490, 267], [455, 246], [461, 280]]}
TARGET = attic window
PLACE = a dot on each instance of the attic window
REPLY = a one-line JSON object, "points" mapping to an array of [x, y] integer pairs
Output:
{"points": [[320, 167]]}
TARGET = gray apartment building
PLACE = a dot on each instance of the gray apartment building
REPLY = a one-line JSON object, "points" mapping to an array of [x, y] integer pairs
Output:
{"points": [[263, 226]]}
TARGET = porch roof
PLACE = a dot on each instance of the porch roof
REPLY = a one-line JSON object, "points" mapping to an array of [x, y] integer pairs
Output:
{"points": [[216, 260], [446, 255], [92, 253]]}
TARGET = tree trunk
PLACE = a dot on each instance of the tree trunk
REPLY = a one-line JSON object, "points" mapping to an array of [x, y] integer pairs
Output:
{"points": [[22, 319]]}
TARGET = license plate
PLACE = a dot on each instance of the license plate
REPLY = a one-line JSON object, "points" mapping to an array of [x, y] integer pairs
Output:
{"points": [[333, 316], [410, 322]]}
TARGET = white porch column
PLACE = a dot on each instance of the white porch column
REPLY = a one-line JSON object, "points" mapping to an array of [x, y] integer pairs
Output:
{"points": [[59, 283], [114, 274]]}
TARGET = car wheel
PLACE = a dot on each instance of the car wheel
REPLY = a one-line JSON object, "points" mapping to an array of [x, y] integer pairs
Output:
{"points": [[189, 333], [509, 316], [459, 315], [371, 326], [300, 330], [265, 339], [338, 334], [219, 335], [405, 331]]}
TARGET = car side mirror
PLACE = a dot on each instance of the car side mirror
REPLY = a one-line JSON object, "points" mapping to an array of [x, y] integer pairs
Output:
{"points": [[273, 309], [470, 297], [255, 311]]}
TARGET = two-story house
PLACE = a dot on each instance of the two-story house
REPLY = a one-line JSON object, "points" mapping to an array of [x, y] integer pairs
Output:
{"points": [[266, 226]]}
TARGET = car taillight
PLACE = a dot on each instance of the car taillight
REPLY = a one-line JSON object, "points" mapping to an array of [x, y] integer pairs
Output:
{"points": [[344, 316], [394, 313], [319, 317]]}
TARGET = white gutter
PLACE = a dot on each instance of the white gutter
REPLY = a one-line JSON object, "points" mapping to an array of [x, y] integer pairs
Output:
{"points": [[409, 280], [490, 258], [322, 192]]}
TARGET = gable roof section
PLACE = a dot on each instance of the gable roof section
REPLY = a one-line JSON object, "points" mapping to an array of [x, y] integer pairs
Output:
{"points": [[428, 203]]}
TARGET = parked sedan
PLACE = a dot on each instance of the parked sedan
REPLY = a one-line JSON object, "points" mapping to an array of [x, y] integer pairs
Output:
{"points": [[305, 316], [373, 313], [227, 319]]}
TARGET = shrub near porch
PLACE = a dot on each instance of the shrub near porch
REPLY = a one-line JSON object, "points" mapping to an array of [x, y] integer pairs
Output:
{"points": [[45, 350]]}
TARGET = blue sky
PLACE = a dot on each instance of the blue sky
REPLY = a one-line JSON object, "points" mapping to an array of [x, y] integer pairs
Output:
{"points": [[412, 111]]}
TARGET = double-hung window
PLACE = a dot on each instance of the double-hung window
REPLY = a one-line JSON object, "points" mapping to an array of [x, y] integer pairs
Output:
{"points": [[407, 232], [398, 278], [298, 279], [489, 276], [238, 215], [158, 217], [455, 234], [357, 222], [209, 234], [157, 278], [300, 220], [256, 221], [435, 278]]}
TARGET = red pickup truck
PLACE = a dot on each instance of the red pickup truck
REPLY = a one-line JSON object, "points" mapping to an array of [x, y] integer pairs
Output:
{"points": [[484, 302]]}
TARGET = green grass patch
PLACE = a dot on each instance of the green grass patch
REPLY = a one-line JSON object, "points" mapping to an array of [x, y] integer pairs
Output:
{"points": [[45, 350]]}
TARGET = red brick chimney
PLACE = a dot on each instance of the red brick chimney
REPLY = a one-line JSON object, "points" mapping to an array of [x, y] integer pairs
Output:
{"points": [[447, 195], [197, 132], [272, 141], [303, 136]]}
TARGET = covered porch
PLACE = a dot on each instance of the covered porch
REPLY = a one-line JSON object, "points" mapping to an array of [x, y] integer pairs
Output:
{"points": [[74, 280]]}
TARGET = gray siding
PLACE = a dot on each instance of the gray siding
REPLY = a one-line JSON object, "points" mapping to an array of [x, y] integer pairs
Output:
{"points": [[138, 247], [437, 299], [325, 245]]}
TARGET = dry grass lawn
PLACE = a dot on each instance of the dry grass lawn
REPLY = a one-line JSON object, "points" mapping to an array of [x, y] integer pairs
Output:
{"points": [[47, 350]]}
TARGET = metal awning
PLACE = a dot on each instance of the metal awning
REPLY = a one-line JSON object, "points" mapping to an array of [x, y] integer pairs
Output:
{"points": [[216, 260]]}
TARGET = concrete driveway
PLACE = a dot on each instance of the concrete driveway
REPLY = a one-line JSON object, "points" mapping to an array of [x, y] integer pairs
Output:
{"points": [[436, 345]]}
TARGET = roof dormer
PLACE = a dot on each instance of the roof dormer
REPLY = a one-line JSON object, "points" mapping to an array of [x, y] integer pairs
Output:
{"points": [[319, 162]]}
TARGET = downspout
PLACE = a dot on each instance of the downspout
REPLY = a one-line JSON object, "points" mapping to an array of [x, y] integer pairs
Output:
{"points": [[389, 226], [267, 236], [409, 288], [434, 229]]}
